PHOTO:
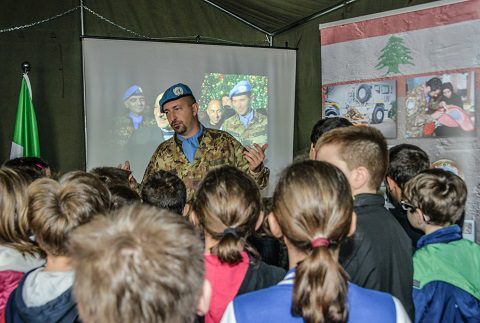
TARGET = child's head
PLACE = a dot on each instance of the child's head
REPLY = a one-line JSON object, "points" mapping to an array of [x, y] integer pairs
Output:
{"points": [[34, 167], [435, 197], [322, 126], [123, 195], [111, 176], [56, 208], [360, 152], [313, 207], [405, 161], [14, 226], [228, 206], [166, 191], [139, 264]]}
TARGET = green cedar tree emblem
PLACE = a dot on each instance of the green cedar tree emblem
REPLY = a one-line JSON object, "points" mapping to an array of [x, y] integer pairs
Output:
{"points": [[394, 54]]}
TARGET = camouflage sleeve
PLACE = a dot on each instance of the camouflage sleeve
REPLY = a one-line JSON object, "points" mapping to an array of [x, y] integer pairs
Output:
{"points": [[261, 177]]}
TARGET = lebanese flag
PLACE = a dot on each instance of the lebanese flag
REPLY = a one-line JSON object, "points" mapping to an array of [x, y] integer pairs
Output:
{"points": [[425, 39]]}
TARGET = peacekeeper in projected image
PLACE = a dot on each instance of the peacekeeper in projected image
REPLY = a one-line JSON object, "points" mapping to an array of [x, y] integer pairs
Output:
{"points": [[214, 115], [194, 149], [136, 115], [247, 126], [420, 103]]}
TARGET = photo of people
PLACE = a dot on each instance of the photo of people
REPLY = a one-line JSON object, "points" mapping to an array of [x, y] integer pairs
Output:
{"points": [[237, 104], [440, 105], [365, 103], [135, 114]]}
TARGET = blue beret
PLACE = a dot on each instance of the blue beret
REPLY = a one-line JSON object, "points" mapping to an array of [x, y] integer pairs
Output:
{"points": [[132, 90], [175, 92], [241, 88]]}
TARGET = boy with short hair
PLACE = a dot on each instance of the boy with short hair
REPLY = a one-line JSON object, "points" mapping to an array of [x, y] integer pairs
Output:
{"points": [[165, 190], [380, 254], [140, 264], [446, 286], [405, 161], [321, 127], [55, 209]]}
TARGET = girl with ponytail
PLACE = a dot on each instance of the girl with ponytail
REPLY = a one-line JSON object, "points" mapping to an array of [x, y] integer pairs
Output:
{"points": [[227, 206], [313, 213]]}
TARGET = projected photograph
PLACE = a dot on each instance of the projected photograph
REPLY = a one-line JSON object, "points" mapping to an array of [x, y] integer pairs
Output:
{"points": [[237, 104], [441, 105], [366, 103]]}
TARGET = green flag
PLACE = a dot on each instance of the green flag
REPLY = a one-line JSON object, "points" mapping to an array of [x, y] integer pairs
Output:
{"points": [[25, 137]]}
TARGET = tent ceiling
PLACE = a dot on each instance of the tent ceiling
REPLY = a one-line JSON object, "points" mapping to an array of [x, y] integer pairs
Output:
{"points": [[273, 16]]}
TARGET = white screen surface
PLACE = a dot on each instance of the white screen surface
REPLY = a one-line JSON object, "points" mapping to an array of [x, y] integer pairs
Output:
{"points": [[111, 67]]}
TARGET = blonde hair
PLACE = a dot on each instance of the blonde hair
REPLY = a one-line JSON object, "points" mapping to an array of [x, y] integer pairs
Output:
{"points": [[14, 225], [228, 205], [440, 194], [138, 264], [57, 208], [313, 200], [360, 146]]}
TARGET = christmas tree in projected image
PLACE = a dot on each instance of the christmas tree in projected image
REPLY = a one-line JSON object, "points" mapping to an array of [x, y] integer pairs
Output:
{"points": [[394, 54]]}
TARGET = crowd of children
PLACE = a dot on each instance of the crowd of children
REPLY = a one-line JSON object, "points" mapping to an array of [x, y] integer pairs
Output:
{"points": [[87, 247]]}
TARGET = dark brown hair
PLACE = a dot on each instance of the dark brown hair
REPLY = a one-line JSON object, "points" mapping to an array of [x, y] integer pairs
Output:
{"points": [[439, 194], [228, 199], [313, 200], [360, 146], [137, 264], [55, 209]]}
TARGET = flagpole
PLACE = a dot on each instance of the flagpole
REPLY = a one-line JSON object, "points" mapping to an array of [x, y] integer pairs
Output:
{"points": [[26, 67]]}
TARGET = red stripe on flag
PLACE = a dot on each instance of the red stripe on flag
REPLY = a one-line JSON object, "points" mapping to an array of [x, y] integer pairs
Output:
{"points": [[427, 18]]}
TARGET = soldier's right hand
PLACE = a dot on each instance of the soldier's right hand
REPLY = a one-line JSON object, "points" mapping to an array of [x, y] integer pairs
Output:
{"points": [[132, 182]]}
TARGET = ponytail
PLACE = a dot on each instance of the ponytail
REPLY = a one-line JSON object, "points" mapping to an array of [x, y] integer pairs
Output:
{"points": [[320, 290], [228, 249], [227, 205], [313, 206]]}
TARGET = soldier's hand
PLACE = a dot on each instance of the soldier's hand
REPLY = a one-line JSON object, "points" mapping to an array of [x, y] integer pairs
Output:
{"points": [[255, 155], [132, 182]]}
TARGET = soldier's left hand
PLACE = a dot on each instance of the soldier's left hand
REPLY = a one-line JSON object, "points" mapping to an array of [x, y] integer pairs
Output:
{"points": [[255, 155]]}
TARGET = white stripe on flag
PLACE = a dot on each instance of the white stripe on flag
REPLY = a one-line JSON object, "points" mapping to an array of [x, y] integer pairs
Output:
{"points": [[16, 151]]}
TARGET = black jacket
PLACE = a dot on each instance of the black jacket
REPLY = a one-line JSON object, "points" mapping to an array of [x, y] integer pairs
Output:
{"points": [[379, 256], [260, 275], [401, 216]]}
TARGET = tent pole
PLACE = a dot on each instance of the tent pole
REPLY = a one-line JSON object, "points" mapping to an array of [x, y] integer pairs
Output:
{"points": [[314, 16], [82, 29]]}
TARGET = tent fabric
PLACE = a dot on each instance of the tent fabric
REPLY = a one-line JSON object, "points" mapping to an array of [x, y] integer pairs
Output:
{"points": [[54, 50], [273, 15]]}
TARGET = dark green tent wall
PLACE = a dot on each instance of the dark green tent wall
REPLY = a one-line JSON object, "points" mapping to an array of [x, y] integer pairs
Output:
{"points": [[54, 50]]}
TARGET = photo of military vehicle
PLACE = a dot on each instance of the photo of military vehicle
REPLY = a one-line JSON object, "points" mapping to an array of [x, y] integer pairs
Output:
{"points": [[361, 102]]}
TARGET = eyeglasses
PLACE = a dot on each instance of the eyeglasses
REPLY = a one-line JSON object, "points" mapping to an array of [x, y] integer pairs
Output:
{"points": [[408, 206]]}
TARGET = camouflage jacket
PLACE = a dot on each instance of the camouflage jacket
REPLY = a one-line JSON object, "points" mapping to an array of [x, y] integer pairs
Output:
{"points": [[256, 132], [216, 148]]}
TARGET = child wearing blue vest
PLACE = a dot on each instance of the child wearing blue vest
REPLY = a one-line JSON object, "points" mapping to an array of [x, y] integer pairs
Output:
{"points": [[313, 213], [446, 279]]}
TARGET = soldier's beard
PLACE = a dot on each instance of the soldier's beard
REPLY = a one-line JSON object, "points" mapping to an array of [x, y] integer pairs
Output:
{"points": [[179, 128]]}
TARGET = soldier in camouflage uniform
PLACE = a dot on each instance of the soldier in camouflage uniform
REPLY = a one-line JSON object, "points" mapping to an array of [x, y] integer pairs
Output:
{"points": [[137, 115], [194, 149], [247, 126], [420, 103]]}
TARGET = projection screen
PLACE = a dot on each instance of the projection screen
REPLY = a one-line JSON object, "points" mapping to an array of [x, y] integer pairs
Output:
{"points": [[124, 79]]}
